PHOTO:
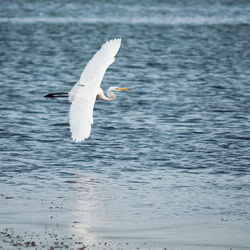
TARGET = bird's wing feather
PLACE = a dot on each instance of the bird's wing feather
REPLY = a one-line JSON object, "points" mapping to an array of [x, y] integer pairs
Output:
{"points": [[94, 71], [83, 95], [81, 114]]}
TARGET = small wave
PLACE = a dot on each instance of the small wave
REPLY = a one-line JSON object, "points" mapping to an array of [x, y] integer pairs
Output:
{"points": [[170, 20]]}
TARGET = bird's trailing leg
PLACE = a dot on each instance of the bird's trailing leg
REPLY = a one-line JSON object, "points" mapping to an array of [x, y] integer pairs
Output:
{"points": [[54, 95]]}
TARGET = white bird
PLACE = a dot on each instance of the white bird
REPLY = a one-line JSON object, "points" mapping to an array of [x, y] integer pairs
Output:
{"points": [[84, 93]]}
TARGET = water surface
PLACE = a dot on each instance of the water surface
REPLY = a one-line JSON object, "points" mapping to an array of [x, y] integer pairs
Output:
{"points": [[167, 162]]}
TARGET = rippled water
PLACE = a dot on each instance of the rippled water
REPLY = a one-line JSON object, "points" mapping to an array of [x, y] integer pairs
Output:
{"points": [[175, 148]]}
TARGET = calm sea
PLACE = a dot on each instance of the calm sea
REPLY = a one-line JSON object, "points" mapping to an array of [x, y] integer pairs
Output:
{"points": [[175, 148]]}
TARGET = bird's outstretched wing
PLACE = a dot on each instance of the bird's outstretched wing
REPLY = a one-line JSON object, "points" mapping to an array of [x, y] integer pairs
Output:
{"points": [[83, 95], [94, 71], [81, 118]]}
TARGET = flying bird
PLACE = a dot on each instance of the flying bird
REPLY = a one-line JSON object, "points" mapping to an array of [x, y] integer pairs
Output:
{"points": [[84, 93]]}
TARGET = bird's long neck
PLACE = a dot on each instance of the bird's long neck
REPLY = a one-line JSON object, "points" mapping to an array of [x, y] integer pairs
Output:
{"points": [[110, 95]]}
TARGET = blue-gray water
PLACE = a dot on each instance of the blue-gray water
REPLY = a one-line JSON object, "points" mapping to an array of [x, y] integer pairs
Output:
{"points": [[175, 148]]}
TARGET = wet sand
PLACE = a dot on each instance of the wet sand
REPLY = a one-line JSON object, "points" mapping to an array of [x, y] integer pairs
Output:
{"points": [[38, 223]]}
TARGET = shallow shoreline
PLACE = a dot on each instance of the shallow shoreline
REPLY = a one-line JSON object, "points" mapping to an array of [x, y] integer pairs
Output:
{"points": [[56, 222]]}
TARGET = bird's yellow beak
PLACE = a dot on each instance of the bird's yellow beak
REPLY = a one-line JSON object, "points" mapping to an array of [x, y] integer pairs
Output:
{"points": [[123, 89]]}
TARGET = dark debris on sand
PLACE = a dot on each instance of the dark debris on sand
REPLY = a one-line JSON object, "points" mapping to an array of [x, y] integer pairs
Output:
{"points": [[8, 239]]}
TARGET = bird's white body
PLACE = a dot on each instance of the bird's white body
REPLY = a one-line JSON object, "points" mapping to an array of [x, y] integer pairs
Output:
{"points": [[84, 93]]}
